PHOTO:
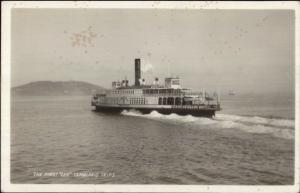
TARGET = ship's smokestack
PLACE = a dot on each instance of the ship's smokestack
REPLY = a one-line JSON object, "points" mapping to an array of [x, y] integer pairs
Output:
{"points": [[137, 63]]}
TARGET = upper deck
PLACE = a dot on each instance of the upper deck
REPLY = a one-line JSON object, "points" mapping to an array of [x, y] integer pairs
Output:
{"points": [[152, 92], [145, 91]]}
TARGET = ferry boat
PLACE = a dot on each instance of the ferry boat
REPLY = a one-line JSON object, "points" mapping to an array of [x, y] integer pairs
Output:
{"points": [[165, 99]]}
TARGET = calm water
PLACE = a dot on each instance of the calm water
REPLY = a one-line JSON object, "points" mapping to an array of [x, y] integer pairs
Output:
{"points": [[62, 140]]}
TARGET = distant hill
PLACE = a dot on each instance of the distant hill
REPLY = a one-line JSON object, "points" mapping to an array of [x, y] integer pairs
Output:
{"points": [[57, 88]]}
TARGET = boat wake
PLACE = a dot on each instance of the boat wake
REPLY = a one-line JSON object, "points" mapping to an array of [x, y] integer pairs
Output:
{"points": [[281, 128]]}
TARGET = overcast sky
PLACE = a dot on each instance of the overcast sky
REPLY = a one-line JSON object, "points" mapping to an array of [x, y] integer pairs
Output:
{"points": [[242, 50]]}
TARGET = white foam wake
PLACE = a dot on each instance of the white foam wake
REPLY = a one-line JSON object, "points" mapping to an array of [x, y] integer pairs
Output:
{"points": [[282, 128], [257, 120]]}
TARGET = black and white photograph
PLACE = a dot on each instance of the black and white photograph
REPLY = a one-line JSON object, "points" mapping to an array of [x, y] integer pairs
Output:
{"points": [[188, 95]]}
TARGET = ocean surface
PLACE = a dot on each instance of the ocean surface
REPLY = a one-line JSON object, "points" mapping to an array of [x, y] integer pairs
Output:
{"points": [[62, 140]]}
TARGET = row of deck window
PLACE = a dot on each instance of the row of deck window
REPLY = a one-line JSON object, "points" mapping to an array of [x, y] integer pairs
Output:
{"points": [[142, 101], [121, 91], [137, 101], [132, 101], [161, 91], [146, 91], [173, 101]]}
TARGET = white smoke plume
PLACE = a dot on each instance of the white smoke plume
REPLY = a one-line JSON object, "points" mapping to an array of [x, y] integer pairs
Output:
{"points": [[147, 67]]}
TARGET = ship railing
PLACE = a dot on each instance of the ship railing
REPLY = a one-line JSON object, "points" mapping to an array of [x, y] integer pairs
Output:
{"points": [[193, 93], [163, 94], [173, 94], [203, 94], [200, 106]]}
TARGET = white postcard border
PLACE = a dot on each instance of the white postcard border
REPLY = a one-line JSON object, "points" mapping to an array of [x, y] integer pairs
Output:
{"points": [[5, 97]]}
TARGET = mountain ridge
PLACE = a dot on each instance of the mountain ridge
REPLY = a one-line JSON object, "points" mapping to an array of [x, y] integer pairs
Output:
{"points": [[56, 88]]}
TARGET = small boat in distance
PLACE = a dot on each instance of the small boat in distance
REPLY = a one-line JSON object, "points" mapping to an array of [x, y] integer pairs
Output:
{"points": [[231, 93], [166, 99]]}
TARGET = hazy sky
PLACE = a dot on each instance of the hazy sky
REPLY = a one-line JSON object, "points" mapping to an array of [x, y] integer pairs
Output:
{"points": [[243, 50]]}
